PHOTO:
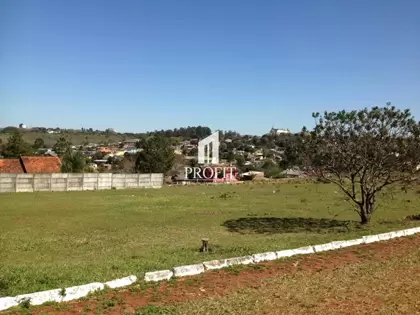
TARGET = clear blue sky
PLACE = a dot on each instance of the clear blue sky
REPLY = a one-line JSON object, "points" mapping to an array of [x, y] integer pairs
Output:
{"points": [[227, 64]]}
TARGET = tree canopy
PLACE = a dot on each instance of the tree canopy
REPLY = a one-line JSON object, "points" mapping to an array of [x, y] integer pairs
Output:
{"points": [[16, 146], [61, 146], [157, 155], [364, 151], [73, 162]]}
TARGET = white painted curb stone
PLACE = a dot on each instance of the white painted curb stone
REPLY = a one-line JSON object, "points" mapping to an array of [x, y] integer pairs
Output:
{"points": [[304, 250], [385, 236], [77, 292], [343, 244], [411, 231], [158, 275], [285, 253], [7, 302], [189, 270], [398, 234], [324, 247], [39, 298], [244, 260], [264, 256], [370, 239], [215, 264], [123, 282]]}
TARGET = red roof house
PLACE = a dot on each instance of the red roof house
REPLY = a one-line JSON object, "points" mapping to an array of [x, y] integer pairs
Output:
{"points": [[31, 165], [11, 166]]}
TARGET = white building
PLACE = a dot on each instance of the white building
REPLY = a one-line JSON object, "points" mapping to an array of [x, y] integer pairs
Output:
{"points": [[279, 131]]}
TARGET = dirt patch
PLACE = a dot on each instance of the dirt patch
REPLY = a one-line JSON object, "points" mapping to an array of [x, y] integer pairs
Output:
{"points": [[219, 283]]}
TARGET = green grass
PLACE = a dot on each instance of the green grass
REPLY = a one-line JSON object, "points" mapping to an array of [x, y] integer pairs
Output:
{"points": [[56, 240], [74, 137]]}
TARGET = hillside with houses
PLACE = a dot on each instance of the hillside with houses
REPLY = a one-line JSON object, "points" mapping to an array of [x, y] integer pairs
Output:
{"points": [[269, 155]]}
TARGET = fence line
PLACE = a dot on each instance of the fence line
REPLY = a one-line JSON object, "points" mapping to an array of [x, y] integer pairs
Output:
{"points": [[76, 182]]}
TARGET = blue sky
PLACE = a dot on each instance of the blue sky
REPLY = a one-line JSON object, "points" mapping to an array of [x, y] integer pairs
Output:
{"points": [[227, 64]]}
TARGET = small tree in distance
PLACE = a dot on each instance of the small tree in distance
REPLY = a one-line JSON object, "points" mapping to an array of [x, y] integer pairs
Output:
{"points": [[364, 151]]}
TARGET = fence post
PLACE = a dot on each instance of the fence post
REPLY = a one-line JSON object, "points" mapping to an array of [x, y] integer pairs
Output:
{"points": [[83, 181], [51, 182], [33, 183], [112, 180], [125, 180], [97, 181], [138, 180], [67, 182], [150, 180]]}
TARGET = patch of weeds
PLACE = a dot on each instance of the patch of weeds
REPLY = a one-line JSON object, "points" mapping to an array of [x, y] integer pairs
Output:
{"points": [[62, 292], [108, 303], [86, 308], [414, 217], [235, 270], [118, 299], [154, 310], [49, 303], [256, 267], [25, 303], [61, 307]]}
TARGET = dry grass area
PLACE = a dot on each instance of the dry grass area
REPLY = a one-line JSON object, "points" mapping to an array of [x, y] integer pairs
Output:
{"points": [[379, 278]]}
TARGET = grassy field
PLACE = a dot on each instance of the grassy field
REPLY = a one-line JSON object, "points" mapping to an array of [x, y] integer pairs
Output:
{"points": [[75, 138], [53, 240]]}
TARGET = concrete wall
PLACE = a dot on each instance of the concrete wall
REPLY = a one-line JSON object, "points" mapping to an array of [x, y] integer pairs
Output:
{"points": [[76, 182]]}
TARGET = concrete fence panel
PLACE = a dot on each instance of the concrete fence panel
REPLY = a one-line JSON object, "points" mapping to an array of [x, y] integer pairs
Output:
{"points": [[75, 182], [90, 181], [131, 180], [156, 180], [118, 181], [59, 182], [105, 181], [25, 183], [42, 182], [8, 182]]}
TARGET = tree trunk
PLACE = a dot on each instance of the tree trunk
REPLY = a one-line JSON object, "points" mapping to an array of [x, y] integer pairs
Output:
{"points": [[364, 217], [366, 209]]}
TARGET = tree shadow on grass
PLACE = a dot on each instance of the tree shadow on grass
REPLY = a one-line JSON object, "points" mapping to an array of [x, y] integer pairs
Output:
{"points": [[274, 225]]}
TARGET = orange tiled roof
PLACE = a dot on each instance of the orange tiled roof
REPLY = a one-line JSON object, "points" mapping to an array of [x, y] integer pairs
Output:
{"points": [[41, 164], [10, 166]]}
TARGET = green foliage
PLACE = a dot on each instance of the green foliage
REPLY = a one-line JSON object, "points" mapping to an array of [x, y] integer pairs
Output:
{"points": [[62, 146], [38, 143], [16, 146], [157, 156], [364, 151], [73, 162], [10, 129], [230, 157]]}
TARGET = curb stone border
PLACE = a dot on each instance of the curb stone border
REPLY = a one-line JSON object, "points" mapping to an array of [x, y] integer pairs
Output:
{"points": [[77, 292]]}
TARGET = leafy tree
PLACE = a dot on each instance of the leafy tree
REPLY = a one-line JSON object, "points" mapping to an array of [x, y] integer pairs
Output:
{"points": [[193, 152], [62, 146], [16, 146], [230, 156], [239, 160], [364, 151], [157, 156], [38, 143], [73, 162]]}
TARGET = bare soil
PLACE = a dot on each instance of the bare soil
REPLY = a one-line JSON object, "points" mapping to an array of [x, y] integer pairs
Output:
{"points": [[219, 284]]}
